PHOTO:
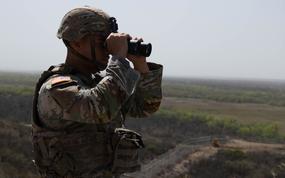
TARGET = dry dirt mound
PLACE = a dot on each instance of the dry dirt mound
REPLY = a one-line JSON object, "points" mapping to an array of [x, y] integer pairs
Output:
{"points": [[236, 159]]}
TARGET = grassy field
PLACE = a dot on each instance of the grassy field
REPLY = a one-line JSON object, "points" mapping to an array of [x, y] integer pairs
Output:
{"points": [[247, 101], [248, 113]]}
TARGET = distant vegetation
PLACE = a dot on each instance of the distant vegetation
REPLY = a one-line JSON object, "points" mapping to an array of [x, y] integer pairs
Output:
{"points": [[17, 83], [272, 93], [224, 126], [13, 78], [17, 90]]}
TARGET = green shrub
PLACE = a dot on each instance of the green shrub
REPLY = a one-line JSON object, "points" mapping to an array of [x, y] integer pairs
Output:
{"points": [[18, 90], [223, 125]]}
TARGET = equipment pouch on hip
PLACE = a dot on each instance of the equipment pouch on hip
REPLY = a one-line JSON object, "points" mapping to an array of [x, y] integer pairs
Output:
{"points": [[50, 159], [126, 145]]}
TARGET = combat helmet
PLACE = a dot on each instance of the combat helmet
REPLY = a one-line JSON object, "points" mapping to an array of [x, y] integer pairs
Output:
{"points": [[83, 21]]}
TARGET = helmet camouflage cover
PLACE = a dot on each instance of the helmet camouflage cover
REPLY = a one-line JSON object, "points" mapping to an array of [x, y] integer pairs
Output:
{"points": [[80, 22]]}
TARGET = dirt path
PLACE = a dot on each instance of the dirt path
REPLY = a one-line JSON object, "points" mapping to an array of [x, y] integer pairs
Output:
{"points": [[162, 165]]}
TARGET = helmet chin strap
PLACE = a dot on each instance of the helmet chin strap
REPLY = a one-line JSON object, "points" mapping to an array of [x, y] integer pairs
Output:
{"points": [[93, 62], [99, 65]]}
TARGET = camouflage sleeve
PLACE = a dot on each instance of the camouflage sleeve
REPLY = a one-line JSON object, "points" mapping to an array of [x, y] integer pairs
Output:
{"points": [[70, 101], [146, 100]]}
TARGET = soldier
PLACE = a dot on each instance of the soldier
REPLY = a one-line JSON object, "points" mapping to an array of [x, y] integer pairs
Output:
{"points": [[80, 106]]}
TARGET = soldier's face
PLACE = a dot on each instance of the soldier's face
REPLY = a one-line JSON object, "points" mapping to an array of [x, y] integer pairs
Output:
{"points": [[84, 47]]}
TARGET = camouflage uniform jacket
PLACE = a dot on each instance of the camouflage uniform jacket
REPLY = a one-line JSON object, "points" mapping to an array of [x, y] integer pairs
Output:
{"points": [[84, 108]]}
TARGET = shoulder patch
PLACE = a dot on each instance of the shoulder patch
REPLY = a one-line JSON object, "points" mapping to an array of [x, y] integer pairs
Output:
{"points": [[59, 81]]}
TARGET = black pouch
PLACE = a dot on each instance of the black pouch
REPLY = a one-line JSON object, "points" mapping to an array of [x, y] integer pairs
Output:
{"points": [[126, 145]]}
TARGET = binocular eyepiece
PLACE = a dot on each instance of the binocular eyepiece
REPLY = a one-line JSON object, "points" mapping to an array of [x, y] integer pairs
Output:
{"points": [[138, 48]]}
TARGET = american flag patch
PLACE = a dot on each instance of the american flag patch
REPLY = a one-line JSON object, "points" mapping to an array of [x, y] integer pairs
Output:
{"points": [[61, 79]]}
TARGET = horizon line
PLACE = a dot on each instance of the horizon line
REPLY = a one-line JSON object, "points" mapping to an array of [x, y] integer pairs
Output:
{"points": [[34, 72]]}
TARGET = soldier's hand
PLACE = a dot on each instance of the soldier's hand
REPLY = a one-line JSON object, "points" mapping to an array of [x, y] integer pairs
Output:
{"points": [[117, 44], [139, 61]]}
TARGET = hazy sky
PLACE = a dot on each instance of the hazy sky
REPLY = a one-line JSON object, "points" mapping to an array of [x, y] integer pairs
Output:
{"points": [[191, 38]]}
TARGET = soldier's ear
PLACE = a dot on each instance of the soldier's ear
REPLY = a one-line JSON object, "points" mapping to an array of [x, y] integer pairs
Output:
{"points": [[81, 44], [77, 45]]}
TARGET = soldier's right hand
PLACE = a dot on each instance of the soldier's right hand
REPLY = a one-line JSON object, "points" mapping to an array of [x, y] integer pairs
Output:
{"points": [[117, 44]]}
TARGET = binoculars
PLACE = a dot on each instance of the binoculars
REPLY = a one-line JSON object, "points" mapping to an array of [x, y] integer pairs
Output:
{"points": [[134, 47], [138, 48]]}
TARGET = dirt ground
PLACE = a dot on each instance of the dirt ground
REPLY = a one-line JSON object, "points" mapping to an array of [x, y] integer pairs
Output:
{"points": [[178, 162]]}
